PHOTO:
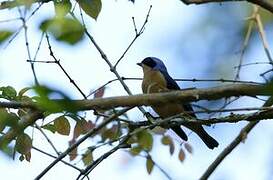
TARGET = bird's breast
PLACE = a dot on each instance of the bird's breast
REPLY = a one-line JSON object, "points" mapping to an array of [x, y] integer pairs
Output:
{"points": [[154, 82]]}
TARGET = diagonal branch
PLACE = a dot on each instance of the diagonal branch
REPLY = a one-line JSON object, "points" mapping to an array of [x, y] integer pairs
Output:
{"points": [[240, 137]]}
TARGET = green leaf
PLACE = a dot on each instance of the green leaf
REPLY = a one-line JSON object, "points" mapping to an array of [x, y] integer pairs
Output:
{"points": [[145, 140], [23, 144], [8, 92], [167, 140], [49, 127], [62, 125], [8, 119], [4, 35], [181, 155], [91, 7], [12, 120], [87, 158], [62, 7], [149, 164], [51, 106], [23, 91], [3, 118], [135, 150], [64, 29]]}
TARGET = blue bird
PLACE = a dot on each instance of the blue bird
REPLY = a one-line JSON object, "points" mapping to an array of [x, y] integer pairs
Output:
{"points": [[157, 79]]}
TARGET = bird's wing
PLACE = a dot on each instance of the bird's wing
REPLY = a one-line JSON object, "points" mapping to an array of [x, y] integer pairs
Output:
{"points": [[171, 84]]}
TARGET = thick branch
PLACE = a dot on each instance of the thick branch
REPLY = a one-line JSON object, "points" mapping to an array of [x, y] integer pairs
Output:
{"points": [[266, 4], [158, 98]]}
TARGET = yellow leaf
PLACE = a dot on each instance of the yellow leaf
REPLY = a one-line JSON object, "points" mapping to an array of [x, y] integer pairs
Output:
{"points": [[87, 158], [23, 144], [149, 164], [62, 125]]}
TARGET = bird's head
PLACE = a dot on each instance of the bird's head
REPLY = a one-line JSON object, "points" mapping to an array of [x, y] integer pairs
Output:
{"points": [[152, 63]]}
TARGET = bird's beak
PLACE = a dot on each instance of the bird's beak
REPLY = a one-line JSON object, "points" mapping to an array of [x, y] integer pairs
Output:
{"points": [[140, 64]]}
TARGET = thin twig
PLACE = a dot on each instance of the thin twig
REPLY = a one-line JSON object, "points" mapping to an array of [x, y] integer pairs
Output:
{"points": [[263, 35], [245, 44], [138, 33], [62, 68], [240, 137], [255, 63], [66, 163], [78, 142], [28, 50], [47, 138], [90, 167]]}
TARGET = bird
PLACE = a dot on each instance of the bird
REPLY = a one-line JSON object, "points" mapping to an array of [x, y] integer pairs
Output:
{"points": [[157, 79]]}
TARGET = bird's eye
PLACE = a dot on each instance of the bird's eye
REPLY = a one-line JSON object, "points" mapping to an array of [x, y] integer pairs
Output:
{"points": [[149, 62]]}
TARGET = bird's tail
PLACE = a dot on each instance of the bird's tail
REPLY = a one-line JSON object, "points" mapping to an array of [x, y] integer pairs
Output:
{"points": [[206, 138], [180, 132]]}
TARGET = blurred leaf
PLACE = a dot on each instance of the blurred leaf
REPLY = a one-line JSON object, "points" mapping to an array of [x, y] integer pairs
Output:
{"points": [[82, 127], [64, 29], [27, 3], [132, 140], [24, 99], [12, 120], [87, 158], [99, 93], [181, 155], [50, 127], [4, 35], [62, 7], [62, 125], [8, 119], [108, 134], [7, 150], [145, 140], [135, 150], [3, 118], [73, 153], [188, 147], [23, 91], [8, 92], [167, 140], [21, 157], [149, 164], [78, 129], [158, 130], [91, 7], [51, 106], [28, 156], [23, 144]]}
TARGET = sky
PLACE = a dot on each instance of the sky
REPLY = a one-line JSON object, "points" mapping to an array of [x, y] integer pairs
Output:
{"points": [[113, 31]]}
